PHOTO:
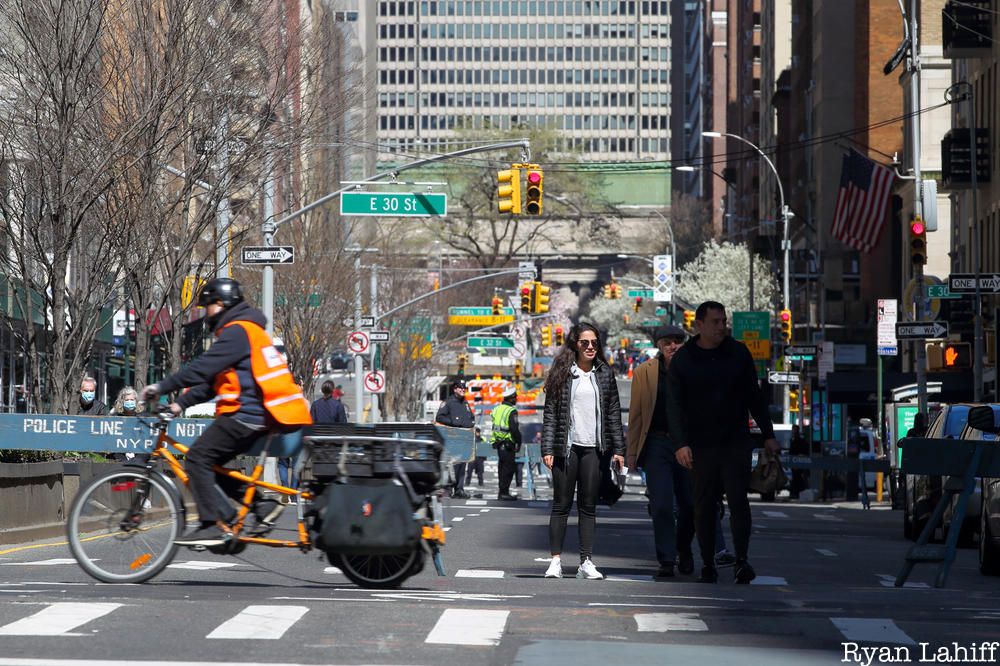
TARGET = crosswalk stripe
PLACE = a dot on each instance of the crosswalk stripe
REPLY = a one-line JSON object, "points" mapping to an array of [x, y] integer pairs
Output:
{"points": [[478, 573], [775, 514], [58, 619], [769, 580], [871, 630], [40, 563], [669, 622], [824, 551], [464, 626], [202, 565], [262, 622]]}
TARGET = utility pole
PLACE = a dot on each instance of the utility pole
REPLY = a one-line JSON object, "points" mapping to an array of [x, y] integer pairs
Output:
{"points": [[375, 356], [267, 290], [913, 70], [359, 363]]}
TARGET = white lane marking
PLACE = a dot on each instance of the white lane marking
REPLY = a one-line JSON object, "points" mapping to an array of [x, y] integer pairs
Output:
{"points": [[261, 622], [457, 519], [202, 565], [130, 662], [543, 559], [775, 514], [42, 582], [58, 619], [484, 510], [871, 630], [885, 580], [464, 626], [824, 551], [472, 515], [630, 578], [478, 573], [669, 622], [446, 529], [475, 503], [826, 516], [41, 563], [332, 570], [769, 580]]}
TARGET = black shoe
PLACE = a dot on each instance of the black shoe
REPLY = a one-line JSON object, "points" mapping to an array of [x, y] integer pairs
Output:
{"points": [[685, 564], [724, 559], [665, 571], [209, 535], [709, 575], [460, 494], [507, 497], [744, 572]]}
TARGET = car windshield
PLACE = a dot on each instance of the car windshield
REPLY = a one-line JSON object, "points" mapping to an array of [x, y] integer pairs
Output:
{"points": [[958, 415]]}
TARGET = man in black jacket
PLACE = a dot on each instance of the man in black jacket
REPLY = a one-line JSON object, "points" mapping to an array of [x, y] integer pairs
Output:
{"points": [[455, 412], [712, 388]]}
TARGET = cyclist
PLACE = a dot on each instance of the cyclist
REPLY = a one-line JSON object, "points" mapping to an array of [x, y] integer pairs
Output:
{"points": [[254, 393]]}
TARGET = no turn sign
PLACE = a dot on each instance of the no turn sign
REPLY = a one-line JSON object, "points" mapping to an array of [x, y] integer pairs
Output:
{"points": [[375, 381], [357, 342]]}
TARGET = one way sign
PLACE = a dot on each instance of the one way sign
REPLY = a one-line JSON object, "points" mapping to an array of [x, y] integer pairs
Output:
{"points": [[920, 330], [264, 254]]}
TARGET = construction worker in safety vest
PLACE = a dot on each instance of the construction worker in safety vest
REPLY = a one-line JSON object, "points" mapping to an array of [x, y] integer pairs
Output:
{"points": [[255, 393], [506, 439]]}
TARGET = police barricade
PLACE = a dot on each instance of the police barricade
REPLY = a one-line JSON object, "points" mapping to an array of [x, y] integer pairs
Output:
{"points": [[98, 434], [855, 468], [531, 457]]}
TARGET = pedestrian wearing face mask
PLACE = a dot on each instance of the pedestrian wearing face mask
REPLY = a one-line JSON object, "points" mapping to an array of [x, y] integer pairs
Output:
{"points": [[127, 404], [89, 404]]}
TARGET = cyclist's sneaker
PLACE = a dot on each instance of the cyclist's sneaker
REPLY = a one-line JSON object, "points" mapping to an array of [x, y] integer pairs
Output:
{"points": [[555, 569], [205, 536], [266, 511], [589, 571]]}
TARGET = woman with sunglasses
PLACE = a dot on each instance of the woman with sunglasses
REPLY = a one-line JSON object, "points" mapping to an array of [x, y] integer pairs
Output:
{"points": [[582, 429]]}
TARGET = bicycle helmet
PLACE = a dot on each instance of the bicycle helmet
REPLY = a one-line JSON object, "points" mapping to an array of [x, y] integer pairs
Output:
{"points": [[226, 290]]}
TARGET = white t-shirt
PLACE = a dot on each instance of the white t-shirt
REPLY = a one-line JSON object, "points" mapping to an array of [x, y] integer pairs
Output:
{"points": [[583, 422]]}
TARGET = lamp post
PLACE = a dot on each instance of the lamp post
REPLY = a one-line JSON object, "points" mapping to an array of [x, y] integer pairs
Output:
{"points": [[673, 254], [786, 245]]}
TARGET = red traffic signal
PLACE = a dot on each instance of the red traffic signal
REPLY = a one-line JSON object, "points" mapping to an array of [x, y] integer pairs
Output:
{"points": [[918, 242]]}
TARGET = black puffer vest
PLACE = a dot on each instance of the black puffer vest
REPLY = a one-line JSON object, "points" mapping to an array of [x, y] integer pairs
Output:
{"points": [[555, 424]]}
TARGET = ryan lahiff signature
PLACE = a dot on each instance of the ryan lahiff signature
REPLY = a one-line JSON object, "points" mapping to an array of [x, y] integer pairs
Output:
{"points": [[984, 652]]}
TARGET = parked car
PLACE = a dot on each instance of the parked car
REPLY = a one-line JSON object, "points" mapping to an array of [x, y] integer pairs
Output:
{"points": [[922, 492], [989, 527], [340, 360]]}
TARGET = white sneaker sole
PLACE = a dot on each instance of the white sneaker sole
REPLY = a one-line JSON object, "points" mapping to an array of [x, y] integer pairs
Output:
{"points": [[551, 575]]}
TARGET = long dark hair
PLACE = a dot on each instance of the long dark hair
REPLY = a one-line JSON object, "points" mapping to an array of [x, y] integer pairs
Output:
{"points": [[566, 357]]}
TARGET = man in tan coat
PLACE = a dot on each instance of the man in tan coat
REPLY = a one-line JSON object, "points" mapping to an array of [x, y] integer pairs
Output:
{"points": [[651, 448]]}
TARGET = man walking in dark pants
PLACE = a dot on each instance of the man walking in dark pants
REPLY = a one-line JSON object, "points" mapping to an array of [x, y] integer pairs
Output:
{"points": [[712, 387], [651, 448], [506, 439], [455, 412]]}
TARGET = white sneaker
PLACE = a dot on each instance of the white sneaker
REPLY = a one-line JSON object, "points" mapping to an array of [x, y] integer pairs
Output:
{"points": [[555, 569], [589, 571]]}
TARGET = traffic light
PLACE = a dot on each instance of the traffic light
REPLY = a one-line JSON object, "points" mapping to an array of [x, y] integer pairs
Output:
{"points": [[517, 370], [559, 336], [785, 320], [618, 290], [638, 303], [608, 293], [533, 195], [526, 299], [546, 336], [624, 343], [957, 355], [509, 191], [625, 318], [793, 400], [497, 303], [462, 360], [918, 242], [540, 304], [612, 290], [689, 319]]}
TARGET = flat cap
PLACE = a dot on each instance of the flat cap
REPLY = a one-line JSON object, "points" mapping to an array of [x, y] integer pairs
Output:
{"points": [[669, 331]]}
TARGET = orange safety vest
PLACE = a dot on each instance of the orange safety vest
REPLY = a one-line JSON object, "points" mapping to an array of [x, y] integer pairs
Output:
{"points": [[282, 397]]}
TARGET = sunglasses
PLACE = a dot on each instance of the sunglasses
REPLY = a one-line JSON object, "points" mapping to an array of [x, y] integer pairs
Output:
{"points": [[583, 344]]}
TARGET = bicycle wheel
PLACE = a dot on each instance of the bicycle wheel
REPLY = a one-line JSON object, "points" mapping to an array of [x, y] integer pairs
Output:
{"points": [[379, 571], [122, 526]]}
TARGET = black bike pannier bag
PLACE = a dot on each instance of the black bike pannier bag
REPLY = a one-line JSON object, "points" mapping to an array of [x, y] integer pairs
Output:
{"points": [[368, 519]]}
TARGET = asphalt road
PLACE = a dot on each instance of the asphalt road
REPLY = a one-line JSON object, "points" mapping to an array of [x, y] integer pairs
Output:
{"points": [[824, 572]]}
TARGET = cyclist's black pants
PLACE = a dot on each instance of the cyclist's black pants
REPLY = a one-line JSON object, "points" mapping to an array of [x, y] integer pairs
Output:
{"points": [[222, 441]]}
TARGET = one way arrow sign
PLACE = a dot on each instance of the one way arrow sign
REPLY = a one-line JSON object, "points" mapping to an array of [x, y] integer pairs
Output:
{"points": [[264, 254], [921, 329]]}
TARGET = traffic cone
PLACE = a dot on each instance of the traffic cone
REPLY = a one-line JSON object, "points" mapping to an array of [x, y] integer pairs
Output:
{"points": [[630, 365]]}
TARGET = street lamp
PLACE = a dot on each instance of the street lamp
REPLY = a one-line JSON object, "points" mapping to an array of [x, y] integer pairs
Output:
{"points": [[786, 215], [673, 253], [786, 245]]}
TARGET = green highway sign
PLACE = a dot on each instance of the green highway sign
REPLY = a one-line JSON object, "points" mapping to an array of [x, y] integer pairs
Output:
{"points": [[661, 312], [490, 343], [643, 344], [640, 293], [651, 323], [393, 204], [940, 291]]}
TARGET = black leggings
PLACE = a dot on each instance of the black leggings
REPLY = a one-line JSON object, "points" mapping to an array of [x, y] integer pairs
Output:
{"points": [[580, 471]]}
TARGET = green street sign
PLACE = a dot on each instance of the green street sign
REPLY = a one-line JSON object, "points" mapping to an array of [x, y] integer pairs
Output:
{"points": [[661, 312], [640, 293], [651, 323], [800, 358], [491, 342], [643, 344], [940, 291], [392, 204], [478, 312]]}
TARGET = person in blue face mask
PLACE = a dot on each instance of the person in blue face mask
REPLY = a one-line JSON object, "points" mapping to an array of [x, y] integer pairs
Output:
{"points": [[127, 404], [89, 404]]}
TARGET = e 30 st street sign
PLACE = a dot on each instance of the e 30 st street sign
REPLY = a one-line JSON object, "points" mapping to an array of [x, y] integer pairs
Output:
{"points": [[393, 204]]}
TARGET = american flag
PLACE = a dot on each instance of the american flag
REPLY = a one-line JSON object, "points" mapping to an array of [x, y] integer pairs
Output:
{"points": [[862, 202]]}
